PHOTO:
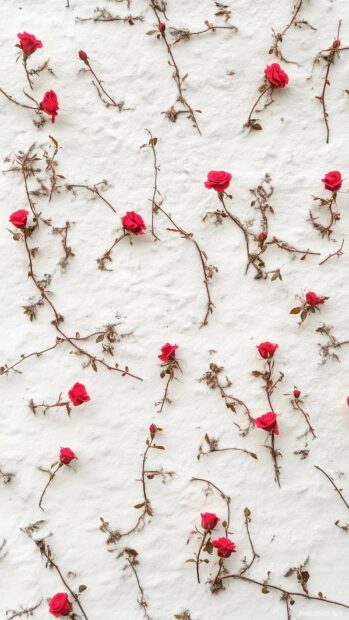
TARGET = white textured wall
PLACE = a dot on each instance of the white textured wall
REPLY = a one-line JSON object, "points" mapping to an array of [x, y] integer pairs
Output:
{"points": [[155, 293]]}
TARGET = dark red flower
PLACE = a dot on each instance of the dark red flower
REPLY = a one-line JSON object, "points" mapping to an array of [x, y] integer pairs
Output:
{"points": [[49, 104], [296, 393], [153, 428], [66, 455], [225, 547], [313, 299], [336, 43], [209, 520], [82, 55], [168, 352], [19, 218], [276, 76], [162, 26], [78, 394], [268, 422], [28, 43], [59, 605], [267, 349], [134, 223], [218, 180], [332, 180]]}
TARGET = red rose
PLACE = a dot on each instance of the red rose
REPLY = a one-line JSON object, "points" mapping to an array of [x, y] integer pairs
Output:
{"points": [[268, 422], [225, 547], [162, 26], [59, 605], [209, 520], [336, 43], [133, 223], [78, 394], [267, 349], [66, 455], [82, 55], [262, 236], [49, 104], [168, 352], [275, 75], [313, 299], [153, 428], [29, 43], [19, 218], [332, 180], [296, 393], [218, 180]]}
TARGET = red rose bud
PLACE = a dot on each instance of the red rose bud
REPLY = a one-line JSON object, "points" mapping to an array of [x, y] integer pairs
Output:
{"points": [[209, 520], [262, 236], [313, 299], [348, 401], [276, 76], [268, 422], [218, 180], [162, 27], [134, 223], [332, 180], [19, 218], [78, 394], [66, 455], [82, 55], [168, 352], [59, 605], [296, 393], [49, 104], [336, 43], [153, 428], [28, 43], [225, 547], [267, 349]]}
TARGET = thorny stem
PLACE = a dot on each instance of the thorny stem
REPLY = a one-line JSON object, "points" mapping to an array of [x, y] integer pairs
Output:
{"points": [[334, 485], [225, 498], [27, 72], [107, 255], [274, 455], [284, 246], [23, 612], [22, 105], [198, 555], [338, 253], [52, 564], [165, 396], [154, 205], [254, 554], [183, 35], [334, 216], [202, 255], [94, 190], [52, 475], [59, 318], [112, 101], [142, 601], [278, 37], [249, 122], [176, 74], [305, 415], [285, 592]]}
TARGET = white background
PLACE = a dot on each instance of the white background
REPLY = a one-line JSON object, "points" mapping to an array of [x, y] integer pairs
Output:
{"points": [[155, 293]]}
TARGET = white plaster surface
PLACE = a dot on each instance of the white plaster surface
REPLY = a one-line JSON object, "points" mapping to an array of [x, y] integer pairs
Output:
{"points": [[155, 293]]}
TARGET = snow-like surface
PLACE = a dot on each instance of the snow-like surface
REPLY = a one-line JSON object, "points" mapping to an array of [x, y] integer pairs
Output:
{"points": [[155, 293]]}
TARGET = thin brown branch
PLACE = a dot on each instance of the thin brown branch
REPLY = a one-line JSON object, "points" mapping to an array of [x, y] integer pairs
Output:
{"points": [[337, 253], [225, 498], [330, 479], [94, 190]]}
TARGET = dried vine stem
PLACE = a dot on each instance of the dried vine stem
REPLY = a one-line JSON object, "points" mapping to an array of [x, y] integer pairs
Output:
{"points": [[133, 562], [183, 34], [330, 479], [328, 350], [156, 197], [212, 379], [168, 370], [248, 519], [211, 486], [328, 55], [94, 189], [269, 386], [101, 262], [172, 114], [145, 505], [213, 446], [297, 406], [103, 15], [45, 552], [27, 611], [208, 270], [337, 253], [334, 215], [278, 37], [51, 478], [286, 595], [98, 84]]}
